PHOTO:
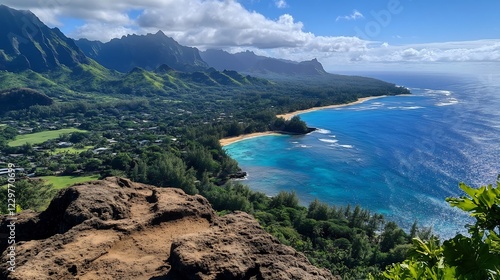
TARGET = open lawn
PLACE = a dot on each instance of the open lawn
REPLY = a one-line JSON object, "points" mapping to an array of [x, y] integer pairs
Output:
{"points": [[61, 182], [70, 150], [40, 137]]}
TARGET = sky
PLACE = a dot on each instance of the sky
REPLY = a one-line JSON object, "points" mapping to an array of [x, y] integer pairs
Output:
{"points": [[341, 34]]}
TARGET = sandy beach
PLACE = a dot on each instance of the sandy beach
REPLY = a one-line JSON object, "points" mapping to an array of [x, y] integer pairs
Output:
{"points": [[288, 116], [230, 140]]}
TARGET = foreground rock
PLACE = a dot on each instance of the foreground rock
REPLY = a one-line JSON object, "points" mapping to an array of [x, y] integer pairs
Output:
{"points": [[117, 229]]}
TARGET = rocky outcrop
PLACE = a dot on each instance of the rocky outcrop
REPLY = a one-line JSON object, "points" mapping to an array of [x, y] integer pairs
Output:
{"points": [[118, 229], [237, 248]]}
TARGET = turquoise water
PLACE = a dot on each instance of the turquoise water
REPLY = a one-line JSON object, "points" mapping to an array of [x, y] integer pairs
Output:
{"points": [[400, 156]]}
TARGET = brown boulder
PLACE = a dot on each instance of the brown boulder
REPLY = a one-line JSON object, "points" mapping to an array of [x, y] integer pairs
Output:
{"points": [[238, 248], [118, 229]]}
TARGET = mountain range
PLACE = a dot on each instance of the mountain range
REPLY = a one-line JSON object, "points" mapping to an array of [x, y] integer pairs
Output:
{"points": [[152, 50], [34, 56], [27, 43], [145, 51], [249, 62]]}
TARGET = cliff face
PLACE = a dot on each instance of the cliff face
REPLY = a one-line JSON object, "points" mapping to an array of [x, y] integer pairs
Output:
{"points": [[27, 43], [145, 51], [117, 229]]}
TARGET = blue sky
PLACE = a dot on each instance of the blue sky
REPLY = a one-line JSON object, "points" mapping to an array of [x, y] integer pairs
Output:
{"points": [[414, 21], [341, 34]]}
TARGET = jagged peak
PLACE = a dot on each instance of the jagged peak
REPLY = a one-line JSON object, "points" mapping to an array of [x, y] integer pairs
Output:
{"points": [[160, 33], [46, 49], [148, 51]]}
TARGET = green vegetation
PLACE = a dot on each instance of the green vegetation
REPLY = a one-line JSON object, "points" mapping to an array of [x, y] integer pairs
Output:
{"points": [[61, 182], [476, 256], [40, 137], [163, 127], [294, 125], [29, 194], [70, 150], [349, 241], [22, 98]]}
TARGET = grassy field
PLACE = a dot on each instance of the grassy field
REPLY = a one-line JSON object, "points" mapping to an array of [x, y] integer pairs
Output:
{"points": [[70, 150], [61, 182], [40, 137]]}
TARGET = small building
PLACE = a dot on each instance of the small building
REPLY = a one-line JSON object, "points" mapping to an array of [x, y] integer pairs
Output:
{"points": [[100, 150], [5, 171], [64, 144]]}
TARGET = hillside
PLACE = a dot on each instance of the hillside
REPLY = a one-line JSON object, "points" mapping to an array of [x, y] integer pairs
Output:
{"points": [[117, 229], [27, 43], [22, 98], [144, 51]]}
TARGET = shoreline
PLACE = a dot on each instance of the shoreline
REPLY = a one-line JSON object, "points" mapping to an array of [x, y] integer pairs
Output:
{"points": [[230, 140], [288, 116]]}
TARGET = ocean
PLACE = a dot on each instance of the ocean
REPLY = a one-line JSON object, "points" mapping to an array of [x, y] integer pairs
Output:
{"points": [[400, 156]]}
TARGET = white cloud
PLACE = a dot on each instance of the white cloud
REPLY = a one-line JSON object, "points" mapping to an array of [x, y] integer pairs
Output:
{"points": [[227, 24], [354, 16], [101, 31], [281, 4], [199, 23], [465, 51]]}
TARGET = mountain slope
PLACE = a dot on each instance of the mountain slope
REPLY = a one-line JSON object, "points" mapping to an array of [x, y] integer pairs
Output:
{"points": [[145, 51], [165, 80], [27, 43], [22, 98], [249, 62]]}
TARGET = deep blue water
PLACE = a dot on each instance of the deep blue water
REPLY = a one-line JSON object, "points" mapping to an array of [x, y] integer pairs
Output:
{"points": [[400, 156]]}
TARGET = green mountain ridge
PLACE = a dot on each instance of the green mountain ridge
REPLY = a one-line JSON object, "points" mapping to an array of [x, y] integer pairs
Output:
{"points": [[145, 51], [35, 56], [250, 63], [27, 43]]}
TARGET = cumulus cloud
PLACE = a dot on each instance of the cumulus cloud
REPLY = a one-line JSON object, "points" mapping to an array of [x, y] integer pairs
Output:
{"points": [[228, 25], [199, 23], [354, 16], [465, 51], [224, 23], [100, 31]]}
